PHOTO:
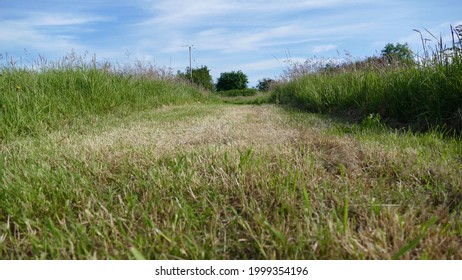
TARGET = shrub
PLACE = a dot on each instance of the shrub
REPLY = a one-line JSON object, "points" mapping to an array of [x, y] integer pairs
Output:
{"points": [[398, 52], [265, 84], [231, 81], [200, 76]]}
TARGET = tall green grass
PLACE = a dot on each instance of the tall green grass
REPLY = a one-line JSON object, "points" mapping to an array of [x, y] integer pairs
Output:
{"points": [[425, 94], [34, 100]]}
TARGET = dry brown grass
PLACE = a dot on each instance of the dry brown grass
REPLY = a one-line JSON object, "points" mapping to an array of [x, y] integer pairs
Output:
{"points": [[237, 127]]}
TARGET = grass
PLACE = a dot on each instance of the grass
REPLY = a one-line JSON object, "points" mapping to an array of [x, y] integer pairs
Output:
{"points": [[238, 92], [422, 98], [170, 173], [423, 95], [34, 101], [270, 184], [257, 99]]}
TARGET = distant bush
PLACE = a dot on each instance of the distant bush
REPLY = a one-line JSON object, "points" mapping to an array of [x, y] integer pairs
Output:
{"points": [[232, 81], [238, 92], [398, 52], [200, 76], [265, 84]]}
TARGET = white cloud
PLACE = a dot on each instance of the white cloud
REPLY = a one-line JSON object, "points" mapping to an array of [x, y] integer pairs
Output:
{"points": [[62, 19], [185, 11], [13, 34], [323, 48], [266, 64], [238, 25], [30, 31]]}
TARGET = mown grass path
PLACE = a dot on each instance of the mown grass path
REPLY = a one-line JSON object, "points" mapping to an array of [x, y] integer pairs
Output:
{"points": [[186, 128], [229, 182]]}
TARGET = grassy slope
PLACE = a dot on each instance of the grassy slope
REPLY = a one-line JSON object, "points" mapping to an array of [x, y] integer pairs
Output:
{"points": [[33, 102], [226, 181], [421, 97]]}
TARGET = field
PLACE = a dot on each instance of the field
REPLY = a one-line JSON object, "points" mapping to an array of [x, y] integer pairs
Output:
{"points": [[153, 168]]}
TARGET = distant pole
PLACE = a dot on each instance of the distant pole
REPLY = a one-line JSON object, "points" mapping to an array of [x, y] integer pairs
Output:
{"points": [[190, 60]]}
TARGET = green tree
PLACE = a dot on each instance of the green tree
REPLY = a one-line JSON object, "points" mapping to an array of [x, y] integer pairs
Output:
{"points": [[232, 80], [265, 84], [398, 53], [200, 76]]}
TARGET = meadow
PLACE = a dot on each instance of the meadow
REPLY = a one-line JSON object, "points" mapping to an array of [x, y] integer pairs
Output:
{"points": [[101, 164]]}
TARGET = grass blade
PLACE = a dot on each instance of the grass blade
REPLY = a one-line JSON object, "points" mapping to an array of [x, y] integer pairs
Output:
{"points": [[137, 254], [413, 243]]}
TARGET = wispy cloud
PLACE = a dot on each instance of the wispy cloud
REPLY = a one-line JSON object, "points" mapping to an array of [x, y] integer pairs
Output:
{"points": [[47, 32], [323, 48], [266, 64], [18, 35], [46, 19], [242, 26]]}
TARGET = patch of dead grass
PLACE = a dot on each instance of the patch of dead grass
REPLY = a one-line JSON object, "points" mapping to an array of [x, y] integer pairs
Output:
{"points": [[230, 127]]}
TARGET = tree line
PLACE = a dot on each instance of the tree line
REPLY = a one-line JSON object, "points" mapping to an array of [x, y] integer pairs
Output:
{"points": [[228, 81]]}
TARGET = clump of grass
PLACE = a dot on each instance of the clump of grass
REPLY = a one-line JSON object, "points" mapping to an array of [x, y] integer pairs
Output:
{"points": [[40, 98], [426, 94]]}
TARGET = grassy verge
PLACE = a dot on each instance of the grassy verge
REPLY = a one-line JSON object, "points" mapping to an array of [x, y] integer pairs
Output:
{"points": [[230, 182], [422, 95], [36, 101]]}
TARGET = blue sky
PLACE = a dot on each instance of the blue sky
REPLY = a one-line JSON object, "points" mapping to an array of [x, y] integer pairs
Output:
{"points": [[254, 36]]}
